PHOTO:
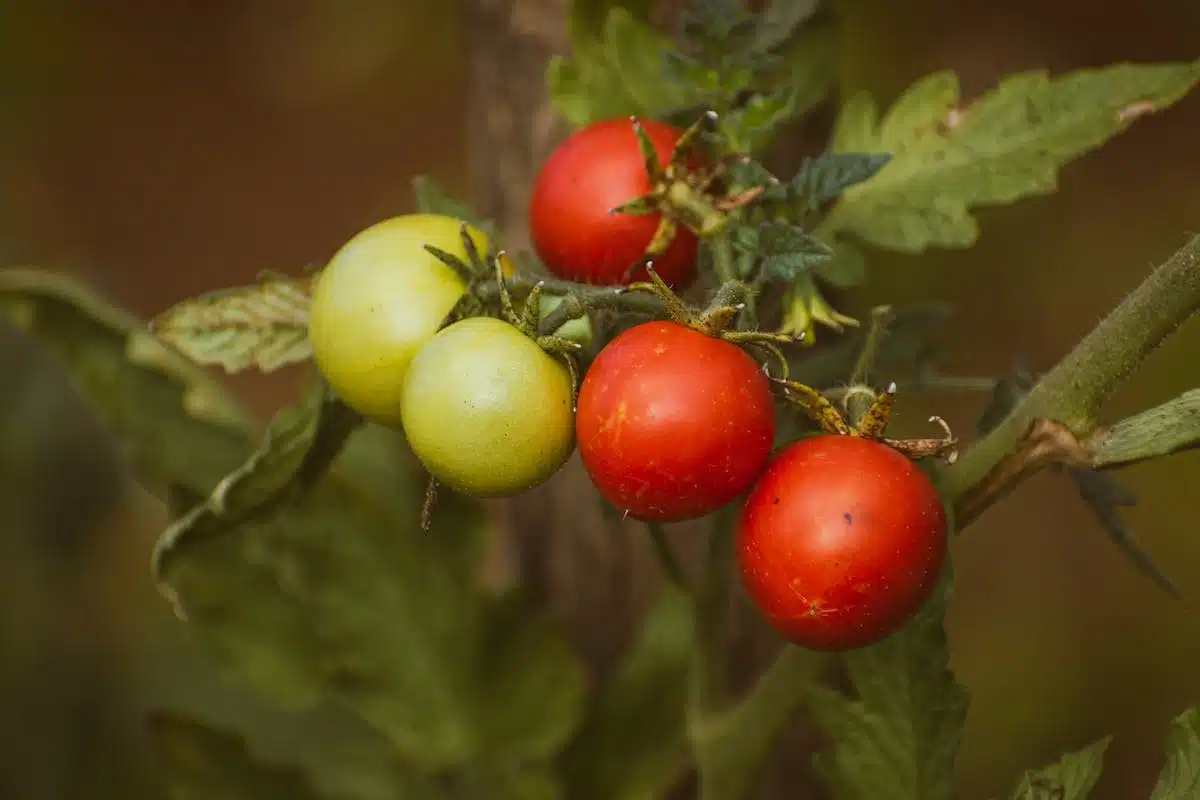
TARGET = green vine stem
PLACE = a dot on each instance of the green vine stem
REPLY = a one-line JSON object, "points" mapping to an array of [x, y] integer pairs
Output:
{"points": [[732, 745], [581, 298], [1048, 424], [1056, 421]]}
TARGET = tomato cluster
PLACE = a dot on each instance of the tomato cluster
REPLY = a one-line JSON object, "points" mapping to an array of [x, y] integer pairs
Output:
{"points": [[841, 537]]}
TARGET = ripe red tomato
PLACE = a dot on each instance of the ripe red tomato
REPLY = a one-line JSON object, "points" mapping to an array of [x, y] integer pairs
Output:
{"points": [[841, 540], [673, 424], [595, 170]]}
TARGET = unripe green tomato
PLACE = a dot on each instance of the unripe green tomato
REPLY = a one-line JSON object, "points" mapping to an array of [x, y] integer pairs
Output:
{"points": [[378, 301], [486, 410], [577, 330]]}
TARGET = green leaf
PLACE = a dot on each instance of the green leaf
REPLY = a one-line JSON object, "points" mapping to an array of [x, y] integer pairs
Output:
{"points": [[827, 176], [203, 763], [1180, 776], [264, 325], [180, 426], [751, 128], [431, 198], [636, 54], [393, 610], [633, 744], [779, 21], [184, 433], [899, 736], [618, 68], [807, 61], [532, 686], [298, 447], [223, 563], [356, 762], [787, 251], [1072, 777], [523, 783], [1005, 146], [847, 269], [391, 615]]}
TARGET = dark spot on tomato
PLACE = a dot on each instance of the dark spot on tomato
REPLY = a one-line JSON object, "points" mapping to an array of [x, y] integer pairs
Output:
{"points": [[846, 515]]}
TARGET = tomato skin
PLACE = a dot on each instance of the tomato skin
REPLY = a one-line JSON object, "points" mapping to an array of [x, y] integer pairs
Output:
{"points": [[486, 410], [673, 424], [595, 170], [378, 301], [840, 542]]}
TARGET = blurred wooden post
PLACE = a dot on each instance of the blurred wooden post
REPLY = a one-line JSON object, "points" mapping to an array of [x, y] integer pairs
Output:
{"points": [[596, 573]]}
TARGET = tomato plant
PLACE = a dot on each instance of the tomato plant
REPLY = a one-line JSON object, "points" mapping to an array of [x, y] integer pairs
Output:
{"points": [[573, 230], [840, 541], [381, 297], [672, 423], [324, 591], [486, 410]]}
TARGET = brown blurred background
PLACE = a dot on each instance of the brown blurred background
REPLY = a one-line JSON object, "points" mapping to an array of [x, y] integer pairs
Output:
{"points": [[161, 149]]}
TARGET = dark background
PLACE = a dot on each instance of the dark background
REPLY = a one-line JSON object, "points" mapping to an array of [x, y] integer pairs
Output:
{"points": [[157, 150]]}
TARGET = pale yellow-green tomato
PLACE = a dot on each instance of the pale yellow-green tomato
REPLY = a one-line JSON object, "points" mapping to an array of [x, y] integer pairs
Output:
{"points": [[378, 301], [486, 410]]}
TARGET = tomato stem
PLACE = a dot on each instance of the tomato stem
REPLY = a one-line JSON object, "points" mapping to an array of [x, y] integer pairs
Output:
{"points": [[712, 604]]}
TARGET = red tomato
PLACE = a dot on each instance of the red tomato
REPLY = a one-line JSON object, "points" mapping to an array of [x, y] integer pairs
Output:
{"points": [[673, 424], [840, 542], [595, 170]]}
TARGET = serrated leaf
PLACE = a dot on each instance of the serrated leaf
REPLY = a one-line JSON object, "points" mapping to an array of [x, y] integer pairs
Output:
{"points": [[898, 738], [264, 325], [633, 744], [828, 175], [1072, 777], [617, 68], [203, 763], [1180, 776], [532, 686], [431, 198], [1007, 145], [787, 251]]}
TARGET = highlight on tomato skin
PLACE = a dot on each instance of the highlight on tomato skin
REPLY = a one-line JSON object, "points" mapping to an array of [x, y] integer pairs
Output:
{"points": [[673, 424], [840, 542], [592, 172]]}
